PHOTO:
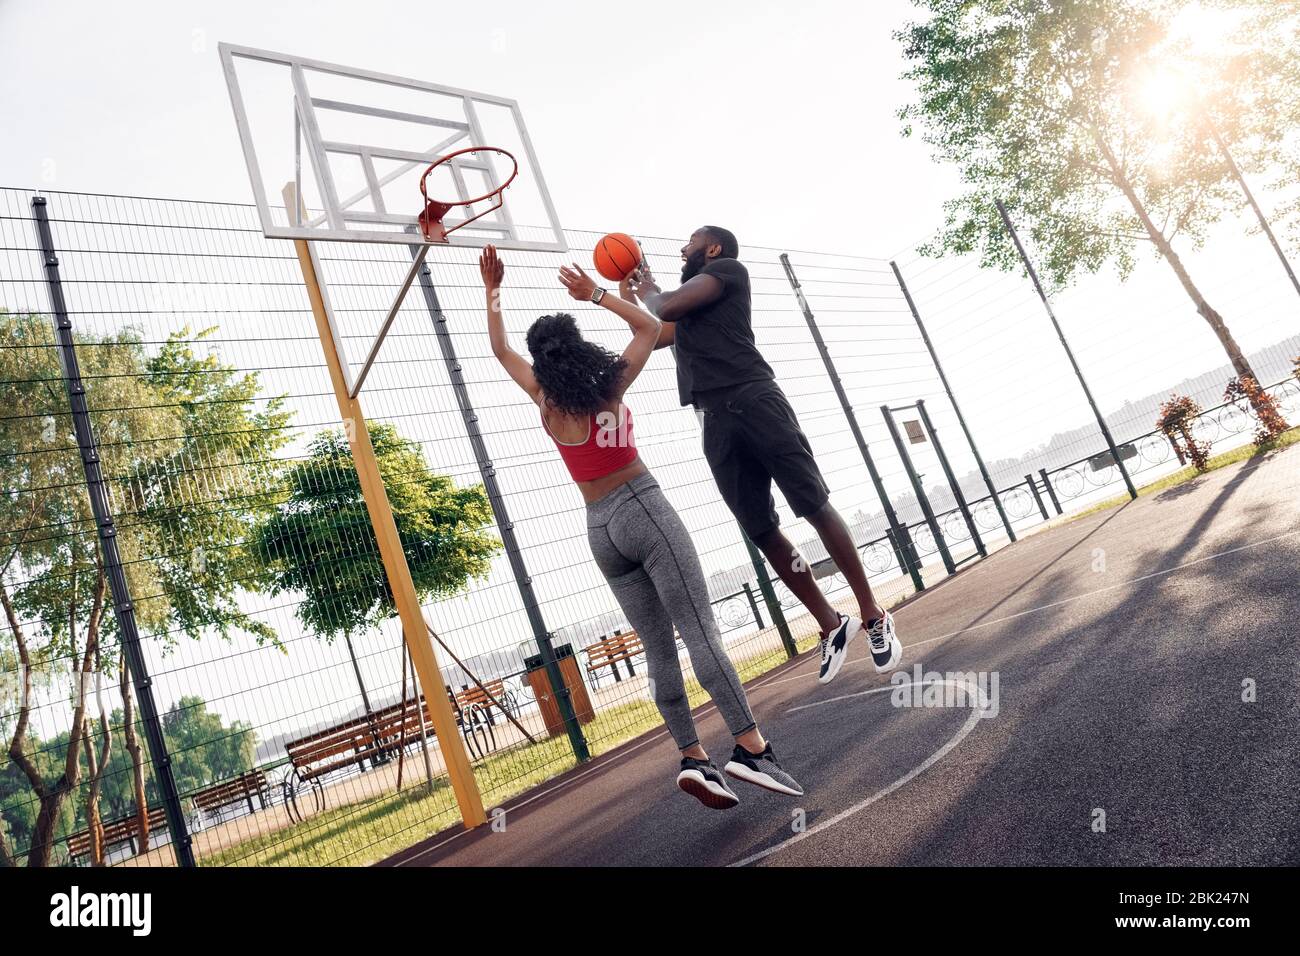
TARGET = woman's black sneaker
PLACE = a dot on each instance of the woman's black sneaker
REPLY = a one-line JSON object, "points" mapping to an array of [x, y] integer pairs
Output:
{"points": [[701, 779], [762, 770]]}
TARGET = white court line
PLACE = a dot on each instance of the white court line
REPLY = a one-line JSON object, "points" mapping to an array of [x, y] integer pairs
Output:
{"points": [[1069, 600], [981, 703], [975, 712], [707, 709], [943, 637]]}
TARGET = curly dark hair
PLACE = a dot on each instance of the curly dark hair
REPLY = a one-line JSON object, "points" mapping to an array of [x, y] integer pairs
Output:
{"points": [[578, 377]]}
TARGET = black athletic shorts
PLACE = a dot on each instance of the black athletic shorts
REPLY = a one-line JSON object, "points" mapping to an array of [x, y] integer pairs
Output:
{"points": [[752, 438]]}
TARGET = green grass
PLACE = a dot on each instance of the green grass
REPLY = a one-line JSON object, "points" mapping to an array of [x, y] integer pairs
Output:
{"points": [[360, 833], [1289, 437]]}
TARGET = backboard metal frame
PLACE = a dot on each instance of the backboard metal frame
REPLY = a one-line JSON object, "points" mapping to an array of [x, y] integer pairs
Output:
{"points": [[342, 217]]}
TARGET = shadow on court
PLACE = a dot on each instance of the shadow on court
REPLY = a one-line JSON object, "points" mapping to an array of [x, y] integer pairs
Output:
{"points": [[1123, 644]]}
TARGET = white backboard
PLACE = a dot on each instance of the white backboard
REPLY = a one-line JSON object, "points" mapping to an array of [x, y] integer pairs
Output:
{"points": [[355, 144]]}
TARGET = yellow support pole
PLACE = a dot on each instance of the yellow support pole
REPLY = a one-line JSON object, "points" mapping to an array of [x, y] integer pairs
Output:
{"points": [[414, 628]]}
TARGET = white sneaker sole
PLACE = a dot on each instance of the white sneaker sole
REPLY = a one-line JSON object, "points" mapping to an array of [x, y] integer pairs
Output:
{"points": [[741, 772], [705, 791]]}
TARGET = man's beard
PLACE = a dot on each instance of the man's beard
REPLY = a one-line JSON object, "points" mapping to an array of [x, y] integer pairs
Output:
{"points": [[694, 263]]}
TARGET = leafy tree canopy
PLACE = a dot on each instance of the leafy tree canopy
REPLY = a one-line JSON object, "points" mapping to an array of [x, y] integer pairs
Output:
{"points": [[320, 543]]}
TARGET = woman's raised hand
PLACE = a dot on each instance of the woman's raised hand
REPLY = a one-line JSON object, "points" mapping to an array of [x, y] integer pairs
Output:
{"points": [[491, 268], [580, 285]]}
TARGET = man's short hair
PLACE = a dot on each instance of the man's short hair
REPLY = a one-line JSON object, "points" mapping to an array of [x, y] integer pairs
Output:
{"points": [[725, 238]]}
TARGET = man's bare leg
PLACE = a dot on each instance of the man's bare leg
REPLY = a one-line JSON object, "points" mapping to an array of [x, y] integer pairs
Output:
{"points": [[835, 536], [798, 577]]}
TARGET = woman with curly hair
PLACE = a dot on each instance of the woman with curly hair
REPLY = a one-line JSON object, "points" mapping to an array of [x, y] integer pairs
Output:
{"points": [[637, 539]]}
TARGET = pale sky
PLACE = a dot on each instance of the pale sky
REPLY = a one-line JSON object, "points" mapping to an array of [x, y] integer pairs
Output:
{"points": [[652, 121]]}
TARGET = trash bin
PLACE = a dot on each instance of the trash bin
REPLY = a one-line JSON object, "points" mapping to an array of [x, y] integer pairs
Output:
{"points": [[550, 707]]}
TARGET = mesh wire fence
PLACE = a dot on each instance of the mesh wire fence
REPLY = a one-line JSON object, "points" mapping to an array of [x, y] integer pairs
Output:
{"points": [[290, 707]]}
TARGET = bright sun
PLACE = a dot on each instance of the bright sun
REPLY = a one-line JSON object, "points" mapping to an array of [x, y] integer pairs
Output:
{"points": [[1197, 33], [1163, 91]]}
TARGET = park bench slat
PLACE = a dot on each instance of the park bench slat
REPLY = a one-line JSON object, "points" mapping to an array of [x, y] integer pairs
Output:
{"points": [[116, 832], [612, 650], [354, 741], [248, 784]]}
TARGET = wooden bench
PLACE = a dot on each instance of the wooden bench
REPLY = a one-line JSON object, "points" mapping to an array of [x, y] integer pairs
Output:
{"points": [[610, 651], [369, 737], [243, 788], [376, 738], [125, 830], [476, 696]]}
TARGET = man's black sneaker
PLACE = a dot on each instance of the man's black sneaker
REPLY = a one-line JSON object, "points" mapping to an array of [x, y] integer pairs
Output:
{"points": [[701, 779], [835, 646], [886, 648], [762, 770]]}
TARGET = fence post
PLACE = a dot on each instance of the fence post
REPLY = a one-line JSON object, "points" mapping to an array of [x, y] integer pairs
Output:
{"points": [[898, 556], [505, 527], [924, 502], [1033, 486], [769, 596], [1051, 492], [908, 556], [97, 490], [952, 480], [961, 419], [1038, 287], [753, 605]]}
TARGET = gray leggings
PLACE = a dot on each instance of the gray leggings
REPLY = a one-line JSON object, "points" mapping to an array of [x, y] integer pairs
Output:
{"points": [[644, 551]]}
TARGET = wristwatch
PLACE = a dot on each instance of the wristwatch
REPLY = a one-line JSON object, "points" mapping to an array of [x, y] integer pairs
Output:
{"points": [[597, 294]]}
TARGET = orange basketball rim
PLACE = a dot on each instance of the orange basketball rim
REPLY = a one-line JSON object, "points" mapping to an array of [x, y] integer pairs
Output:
{"points": [[430, 217]]}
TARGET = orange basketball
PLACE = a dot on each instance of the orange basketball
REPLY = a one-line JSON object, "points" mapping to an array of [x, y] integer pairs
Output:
{"points": [[616, 255]]}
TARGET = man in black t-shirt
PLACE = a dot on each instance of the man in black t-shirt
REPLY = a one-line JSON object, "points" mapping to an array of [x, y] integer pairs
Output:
{"points": [[752, 437]]}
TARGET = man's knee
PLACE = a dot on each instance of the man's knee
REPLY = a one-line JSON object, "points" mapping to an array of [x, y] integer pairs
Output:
{"points": [[769, 539], [825, 515]]}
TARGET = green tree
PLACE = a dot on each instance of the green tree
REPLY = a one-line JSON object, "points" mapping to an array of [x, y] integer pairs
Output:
{"points": [[19, 806], [1041, 103], [196, 505], [190, 462], [321, 545], [204, 749]]}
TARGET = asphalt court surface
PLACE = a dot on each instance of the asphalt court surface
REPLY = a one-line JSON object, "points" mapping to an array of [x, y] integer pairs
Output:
{"points": [[1121, 644]]}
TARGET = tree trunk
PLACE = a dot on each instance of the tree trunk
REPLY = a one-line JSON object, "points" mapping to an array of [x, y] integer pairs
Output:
{"points": [[1206, 311], [51, 797], [132, 744], [93, 822], [24, 712], [356, 667], [7, 853], [95, 767]]}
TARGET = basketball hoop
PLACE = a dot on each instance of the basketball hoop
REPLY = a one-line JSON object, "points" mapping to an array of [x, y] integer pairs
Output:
{"points": [[430, 217]]}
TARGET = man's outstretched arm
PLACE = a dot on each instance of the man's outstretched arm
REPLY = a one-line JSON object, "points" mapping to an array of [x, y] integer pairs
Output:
{"points": [[695, 293]]}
